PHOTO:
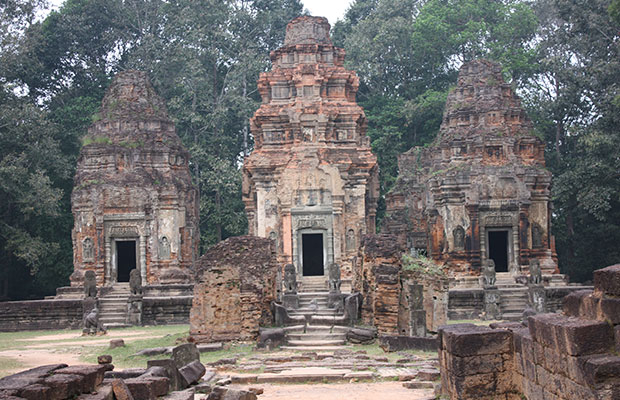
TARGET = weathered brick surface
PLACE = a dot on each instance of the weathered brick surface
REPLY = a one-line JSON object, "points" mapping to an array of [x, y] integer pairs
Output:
{"points": [[235, 284], [477, 175], [132, 182], [563, 357], [312, 166]]}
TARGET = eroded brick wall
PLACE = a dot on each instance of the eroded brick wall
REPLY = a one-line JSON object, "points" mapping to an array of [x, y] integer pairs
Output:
{"points": [[235, 285], [566, 356], [40, 315]]}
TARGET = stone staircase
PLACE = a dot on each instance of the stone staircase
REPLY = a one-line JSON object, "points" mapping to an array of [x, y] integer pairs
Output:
{"points": [[318, 334], [513, 296], [113, 306]]}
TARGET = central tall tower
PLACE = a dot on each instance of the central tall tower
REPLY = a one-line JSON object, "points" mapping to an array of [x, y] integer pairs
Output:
{"points": [[311, 183]]}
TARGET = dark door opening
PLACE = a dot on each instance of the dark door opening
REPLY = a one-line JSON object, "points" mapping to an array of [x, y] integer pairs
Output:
{"points": [[312, 250], [125, 259], [498, 250]]}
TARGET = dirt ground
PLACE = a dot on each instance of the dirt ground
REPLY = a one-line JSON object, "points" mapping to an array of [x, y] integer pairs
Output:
{"points": [[348, 391]]}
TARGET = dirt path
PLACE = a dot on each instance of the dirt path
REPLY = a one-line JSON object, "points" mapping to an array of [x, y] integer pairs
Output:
{"points": [[339, 391], [35, 358]]}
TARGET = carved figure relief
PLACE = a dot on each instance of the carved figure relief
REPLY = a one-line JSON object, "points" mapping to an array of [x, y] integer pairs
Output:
{"points": [[164, 248], [536, 236], [87, 250], [459, 238], [350, 240]]}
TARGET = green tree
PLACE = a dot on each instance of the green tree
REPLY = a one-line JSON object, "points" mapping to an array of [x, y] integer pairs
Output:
{"points": [[574, 100], [33, 170]]}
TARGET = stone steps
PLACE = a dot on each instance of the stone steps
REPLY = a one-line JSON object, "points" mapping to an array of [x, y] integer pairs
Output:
{"points": [[113, 306], [316, 336]]}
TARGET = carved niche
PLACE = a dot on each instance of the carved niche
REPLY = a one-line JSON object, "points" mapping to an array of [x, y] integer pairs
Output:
{"points": [[87, 250], [536, 236], [164, 248], [459, 238]]}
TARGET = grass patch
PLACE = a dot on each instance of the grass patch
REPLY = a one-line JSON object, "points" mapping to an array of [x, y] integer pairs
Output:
{"points": [[8, 365]]}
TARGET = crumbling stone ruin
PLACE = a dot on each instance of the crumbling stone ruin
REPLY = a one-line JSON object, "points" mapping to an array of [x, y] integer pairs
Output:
{"points": [[311, 182], [235, 285], [564, 357], [133, 201], [397, 301], [480, 190], [167, 379]]}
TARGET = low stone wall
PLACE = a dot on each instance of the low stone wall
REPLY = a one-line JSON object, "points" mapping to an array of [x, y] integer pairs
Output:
{"points": [[166, 310], [465, 303], [560, 357], [235, 285], [40, 315]]}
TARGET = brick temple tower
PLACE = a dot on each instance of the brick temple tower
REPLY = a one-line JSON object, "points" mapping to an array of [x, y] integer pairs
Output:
{"points": [[481, 189], [311, 183], [133, 202]]}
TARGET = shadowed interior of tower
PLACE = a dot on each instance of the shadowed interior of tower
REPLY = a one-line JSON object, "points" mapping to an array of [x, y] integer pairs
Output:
{"points": [[498, 249], [126, 258], [312, 250]]}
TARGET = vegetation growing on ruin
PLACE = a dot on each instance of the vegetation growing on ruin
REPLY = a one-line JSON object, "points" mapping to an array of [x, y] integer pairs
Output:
{"points": [[423, 265]]}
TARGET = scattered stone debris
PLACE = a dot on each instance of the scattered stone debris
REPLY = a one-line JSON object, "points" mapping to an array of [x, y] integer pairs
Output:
{"points": [[114, 343]]}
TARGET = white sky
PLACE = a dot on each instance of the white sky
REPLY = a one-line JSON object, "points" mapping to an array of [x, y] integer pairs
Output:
{"points": [[333, 10]]}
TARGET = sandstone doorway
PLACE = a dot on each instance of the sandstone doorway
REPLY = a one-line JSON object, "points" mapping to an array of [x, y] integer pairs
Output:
{"points": [[312, 254], [498, 249], [125, 259]]}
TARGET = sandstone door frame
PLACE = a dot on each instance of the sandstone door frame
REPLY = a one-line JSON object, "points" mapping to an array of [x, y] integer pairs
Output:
{"points": [[118, 227], [300, 247], [512, 265]]}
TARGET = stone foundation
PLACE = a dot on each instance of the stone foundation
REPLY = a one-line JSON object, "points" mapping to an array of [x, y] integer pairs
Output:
{"points": [[235, 286], [569, 356], [40, 315]]}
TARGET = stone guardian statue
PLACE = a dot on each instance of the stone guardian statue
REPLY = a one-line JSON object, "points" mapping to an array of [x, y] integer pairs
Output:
{"points": [[488, 273], [90, 284]]}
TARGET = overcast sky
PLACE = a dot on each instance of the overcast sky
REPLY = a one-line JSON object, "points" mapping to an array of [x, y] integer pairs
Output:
{"points": [[331, 9]]}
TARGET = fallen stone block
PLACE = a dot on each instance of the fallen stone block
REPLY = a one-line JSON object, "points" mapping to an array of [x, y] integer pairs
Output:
{"points": [[172, 373], [398, 343], [256, 390], [203, 387], [224, 393], [582, 337], [191, 373], [114, 343], [64, 385], [185, 354], [187, 394], [35, 392], [102, 393], [141, 388], [153, 351], [428, 374], [120, 390], [607, 280], [207, 347], [92, 375], [28, 377], [104, 359], [125, 373]]}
